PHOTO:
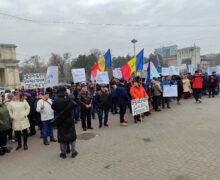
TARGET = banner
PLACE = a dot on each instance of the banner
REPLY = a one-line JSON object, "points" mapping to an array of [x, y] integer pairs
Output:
{"points": [[174, 70], [117, 73], [33, 81], [170, 91], [139, 106], [52, 76], [102, 78], [191, 68], [79, 75], [165, 71], [213, 69]]}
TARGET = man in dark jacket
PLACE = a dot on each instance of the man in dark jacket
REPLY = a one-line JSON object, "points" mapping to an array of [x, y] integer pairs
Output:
{"points": [[103, 101], [212, 83], [85, 101], [63, 120], [122, 100]]}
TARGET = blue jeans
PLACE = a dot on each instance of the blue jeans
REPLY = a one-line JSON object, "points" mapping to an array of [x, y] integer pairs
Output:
{"points": [[47, 130]]}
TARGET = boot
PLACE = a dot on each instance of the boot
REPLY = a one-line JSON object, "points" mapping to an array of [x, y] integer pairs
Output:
{"points": [[18, 147]]}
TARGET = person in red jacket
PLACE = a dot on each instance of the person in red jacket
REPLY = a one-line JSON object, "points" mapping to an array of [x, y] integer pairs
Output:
{"points": [[137, 91], [197, 82]]}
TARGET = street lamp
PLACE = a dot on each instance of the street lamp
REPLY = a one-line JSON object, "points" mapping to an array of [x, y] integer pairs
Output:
{"points": [[134, 41]]}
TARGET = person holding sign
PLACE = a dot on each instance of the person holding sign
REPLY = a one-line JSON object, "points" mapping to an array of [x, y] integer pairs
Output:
{"points": [[85, 101], [103, 101], [165, 100], [137, 91]]}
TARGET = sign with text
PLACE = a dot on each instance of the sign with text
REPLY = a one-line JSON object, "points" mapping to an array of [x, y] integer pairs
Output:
{"points": [[139, 106], [33, 81], [79, 75], [165, 71], [117, 73], [191, 68], [174, 70], [170, 91], [52, 76], [213, 69], [102, 78]]}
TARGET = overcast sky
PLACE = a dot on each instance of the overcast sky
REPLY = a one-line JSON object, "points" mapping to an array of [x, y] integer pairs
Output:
{"points": [[154, 23]]}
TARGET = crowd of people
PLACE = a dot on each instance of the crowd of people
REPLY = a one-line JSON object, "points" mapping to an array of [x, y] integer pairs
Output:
{"points": [[22, 111]]}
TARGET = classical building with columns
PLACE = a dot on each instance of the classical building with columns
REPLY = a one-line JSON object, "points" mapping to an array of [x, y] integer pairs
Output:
{"points": [[9, 72]]}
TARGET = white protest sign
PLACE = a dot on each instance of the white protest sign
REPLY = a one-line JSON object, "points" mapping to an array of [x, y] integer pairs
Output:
{"points": [[165, 71], [183, 68], [191, 68], [52, 76], [213, 69], [117, 73], [33, 81], [170, 91], [139, 106], [79, 75], [174, 70], [102, 78]]}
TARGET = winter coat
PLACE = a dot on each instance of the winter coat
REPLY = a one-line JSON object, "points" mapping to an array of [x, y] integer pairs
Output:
{"points": [[63, 107], [5, 122], [47, 113], [103, 99], [186, 85], [122, 96], [19, 111], [137, 92], [157, 91], [84, 98], [197, 81]]}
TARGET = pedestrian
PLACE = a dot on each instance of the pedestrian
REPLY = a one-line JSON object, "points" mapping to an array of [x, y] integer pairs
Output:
{"points": [[19, 110], [123, 100], [85, 101], [212, 83], [47, 115], [197, 86], [186, 87], [165, 100], [63, 120], [157, 92], [179, 89], [5, 124], [137, 91], [103, 101]]}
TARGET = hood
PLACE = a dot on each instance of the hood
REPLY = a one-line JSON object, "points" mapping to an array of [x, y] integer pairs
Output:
{"points": [[197, 75]]}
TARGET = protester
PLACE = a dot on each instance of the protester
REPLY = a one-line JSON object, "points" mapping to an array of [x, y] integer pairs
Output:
{"points": [[114, 108], [63, 120], [212, 83], [157, 92], [186, 87], [19, 110], [103, 101], [47, 114], [123, 100], [5, 125], [137, 91], [197, 86], [165, 100], [85, 101], [179, 88]]}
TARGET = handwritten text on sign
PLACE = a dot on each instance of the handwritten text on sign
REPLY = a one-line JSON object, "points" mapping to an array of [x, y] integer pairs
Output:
{"points": [[33, 81], [139, 106], [79, 75]]}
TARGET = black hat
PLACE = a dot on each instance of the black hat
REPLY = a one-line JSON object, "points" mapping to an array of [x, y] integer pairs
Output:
{"points": [[61, 89], [137, 79]]}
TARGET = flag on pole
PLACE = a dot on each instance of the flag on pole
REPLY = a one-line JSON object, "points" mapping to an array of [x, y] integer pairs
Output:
{"points": [[140, 60], [108, 60], [147, 75], [94, 69], [158, 65]]}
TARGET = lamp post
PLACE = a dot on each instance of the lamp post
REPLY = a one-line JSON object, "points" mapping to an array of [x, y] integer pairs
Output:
{"points": [[134, 41]]}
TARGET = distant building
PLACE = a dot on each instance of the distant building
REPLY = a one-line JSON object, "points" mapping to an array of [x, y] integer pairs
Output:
{"points": [[189, 55], [166, 51], [9, 73]]}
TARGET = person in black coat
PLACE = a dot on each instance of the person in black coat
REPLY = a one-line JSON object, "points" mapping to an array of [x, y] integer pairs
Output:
{"points": [[64, 122]]}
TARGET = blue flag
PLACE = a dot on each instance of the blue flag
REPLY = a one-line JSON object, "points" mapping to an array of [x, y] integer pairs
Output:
{"points": [[158, 65], [147, 76], [140, 60], [108, 60]]}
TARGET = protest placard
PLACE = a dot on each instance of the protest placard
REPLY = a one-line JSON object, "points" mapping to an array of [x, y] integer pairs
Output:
{"points": [[153, 71], [79, 75], [34, 80], [191, 68], [213, 69], [174, 70], [170, 91], [183, 68], [117, 73], [139, 106], [52, 76], [165, 71], [102, 78]]}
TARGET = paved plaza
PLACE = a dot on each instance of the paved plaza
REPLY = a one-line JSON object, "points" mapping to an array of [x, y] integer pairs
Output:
{"points": [[181, 143]]}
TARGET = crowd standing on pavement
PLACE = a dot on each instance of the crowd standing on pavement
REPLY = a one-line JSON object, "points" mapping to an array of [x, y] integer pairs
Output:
{"points": [[22, 111]]}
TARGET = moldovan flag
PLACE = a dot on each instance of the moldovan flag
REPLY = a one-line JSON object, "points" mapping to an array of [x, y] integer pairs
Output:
{"points": [[101, 64], [94, 69]]}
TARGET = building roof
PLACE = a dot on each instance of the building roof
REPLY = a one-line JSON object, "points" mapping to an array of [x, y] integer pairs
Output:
{"points": [[8, 45], [187, 48]]}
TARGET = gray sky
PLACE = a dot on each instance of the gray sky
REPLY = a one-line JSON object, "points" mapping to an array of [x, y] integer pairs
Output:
{"points": [[154, 23]]}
